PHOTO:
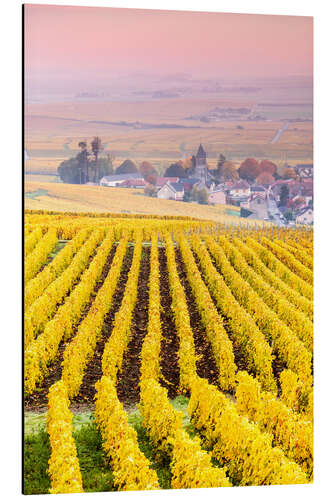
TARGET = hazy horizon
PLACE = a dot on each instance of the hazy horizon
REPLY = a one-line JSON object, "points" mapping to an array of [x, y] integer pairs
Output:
{"points": [[85, 48]]}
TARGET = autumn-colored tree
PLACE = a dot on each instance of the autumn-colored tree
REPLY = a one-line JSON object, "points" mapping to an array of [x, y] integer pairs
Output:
{"points": [[268, 166], [265, 178], [150, 190], [229, 172], [249, 169], [188, 164], [147, 169], [151, 179]]}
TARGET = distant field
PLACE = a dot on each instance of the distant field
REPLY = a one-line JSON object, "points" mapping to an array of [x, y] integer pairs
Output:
{"points": [[70, 197], [54, 130]]}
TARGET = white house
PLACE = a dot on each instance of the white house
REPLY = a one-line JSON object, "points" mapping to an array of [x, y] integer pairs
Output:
{"points": [[239, 194], [116, 180], [305, 216], [218, 196], [171, 191]]}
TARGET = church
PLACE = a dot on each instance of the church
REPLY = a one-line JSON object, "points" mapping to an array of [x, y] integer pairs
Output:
{"points": [[201, 170]]}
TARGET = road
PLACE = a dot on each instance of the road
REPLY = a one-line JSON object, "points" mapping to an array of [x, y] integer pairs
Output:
{"points": [[279, 133], [272, 209]]}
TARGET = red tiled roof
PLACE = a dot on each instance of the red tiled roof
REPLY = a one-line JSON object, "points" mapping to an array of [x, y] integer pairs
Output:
{"points": [[160, 181]]}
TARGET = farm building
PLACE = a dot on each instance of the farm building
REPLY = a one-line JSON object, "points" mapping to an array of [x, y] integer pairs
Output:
{"points": [[133, 183], [116, 180]]}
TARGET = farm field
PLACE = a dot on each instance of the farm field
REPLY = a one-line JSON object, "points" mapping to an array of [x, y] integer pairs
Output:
{"points": [[137, 130], [165, 352], [82, 198]]}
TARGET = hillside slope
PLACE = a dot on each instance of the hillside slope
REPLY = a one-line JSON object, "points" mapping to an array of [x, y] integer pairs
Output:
{"points": [[80, 198]]}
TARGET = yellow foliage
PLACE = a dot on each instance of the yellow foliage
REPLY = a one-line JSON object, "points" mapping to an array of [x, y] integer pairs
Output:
{"points": [[246, 452], [64, 468], [39, 313], [131, 469], [116, 346], [293, 434], [81, 349], [37, 257], [43, 350], [246, 334], [190, 465], [286, 342]]}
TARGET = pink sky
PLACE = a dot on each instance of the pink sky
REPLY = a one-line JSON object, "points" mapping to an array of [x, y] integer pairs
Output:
{"points": [[108, 41]]}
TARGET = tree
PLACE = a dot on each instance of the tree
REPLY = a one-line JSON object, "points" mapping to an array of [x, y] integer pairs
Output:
{"points": [[96, 147], [288, 215], [151, 179], [175, 170], [221, 160], [127, 167], [150, 190], [265, 178], [188, 165], [202, 197], [105, 166], [284, 195], [76, 170], [289, 173], [147, 169], [199, 195], [83, 158], [229, 172], [249, 169], [217, 172], [69, 171], [268, 166]]}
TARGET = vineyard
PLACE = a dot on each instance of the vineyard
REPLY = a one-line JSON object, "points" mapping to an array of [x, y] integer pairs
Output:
{"points": [[189, 341]]}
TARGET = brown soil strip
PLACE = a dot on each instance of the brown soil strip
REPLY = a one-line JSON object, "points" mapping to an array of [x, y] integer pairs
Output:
{"points": [[38, 400], [240, 359], [170, 341], [206, 365], [128, 379], [278, 366], [94, 369]]}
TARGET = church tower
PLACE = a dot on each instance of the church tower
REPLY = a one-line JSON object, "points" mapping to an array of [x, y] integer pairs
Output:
{"points": [[201, 164]]}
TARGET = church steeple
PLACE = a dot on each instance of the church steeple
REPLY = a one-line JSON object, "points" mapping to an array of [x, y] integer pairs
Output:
{"points": [[201, 155], [201, 164]]}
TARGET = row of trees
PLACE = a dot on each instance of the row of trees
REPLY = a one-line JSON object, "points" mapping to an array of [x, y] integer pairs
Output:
{"points": [[251, 170], [90, 166], [87, 165]]}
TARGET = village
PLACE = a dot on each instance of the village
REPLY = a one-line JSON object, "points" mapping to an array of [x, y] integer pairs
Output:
{"points": [[282, 200]]}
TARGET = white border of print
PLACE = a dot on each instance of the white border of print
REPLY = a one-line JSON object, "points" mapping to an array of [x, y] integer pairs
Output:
{"points": [[10, 33]]}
